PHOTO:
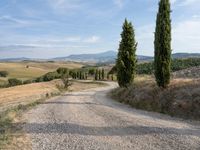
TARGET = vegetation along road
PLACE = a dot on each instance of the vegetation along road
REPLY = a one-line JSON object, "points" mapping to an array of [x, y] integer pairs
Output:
{"points": [[90, 120]]}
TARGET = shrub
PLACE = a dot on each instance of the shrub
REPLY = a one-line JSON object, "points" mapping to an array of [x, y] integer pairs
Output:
{"points": [[62, 71], [27, 82], [14, 82], [3, 73], [51, 76]]}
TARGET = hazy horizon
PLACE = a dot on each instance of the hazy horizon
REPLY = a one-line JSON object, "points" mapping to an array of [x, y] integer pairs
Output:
{"points": [[57, 28]]}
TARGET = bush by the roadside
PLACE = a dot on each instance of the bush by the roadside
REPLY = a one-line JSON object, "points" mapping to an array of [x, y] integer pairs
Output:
{"points": [[177, 64], [51, 76], [62, 71], [3, 73], [28, 82], [14, 82], [181, 98], [48, 77]]}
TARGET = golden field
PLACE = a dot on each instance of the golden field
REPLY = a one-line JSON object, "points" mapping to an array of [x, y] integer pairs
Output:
{"points": [[19, 70], [24, 94]]}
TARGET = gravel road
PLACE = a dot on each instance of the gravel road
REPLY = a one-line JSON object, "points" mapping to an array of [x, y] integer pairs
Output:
{"points": [[88, 120]]}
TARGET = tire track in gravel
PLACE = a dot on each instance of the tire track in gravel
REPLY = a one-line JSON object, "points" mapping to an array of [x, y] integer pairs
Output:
{"points": [[88, 120]]}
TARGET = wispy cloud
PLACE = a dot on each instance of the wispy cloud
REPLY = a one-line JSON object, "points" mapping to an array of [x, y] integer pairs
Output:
{"points": [[183, 2], [93, 39], [119, 3], [61, 6], [186, 35], [10, 19]]}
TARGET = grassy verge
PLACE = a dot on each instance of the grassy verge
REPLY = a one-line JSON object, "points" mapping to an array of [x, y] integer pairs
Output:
{"points": [[8, 127], [7, 119], [181, 98]]}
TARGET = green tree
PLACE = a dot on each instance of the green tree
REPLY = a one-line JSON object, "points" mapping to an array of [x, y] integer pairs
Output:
{"points": [[102, 74], [96, 74], [126, 61], [99, 75], [80, 75], [162, 44]]}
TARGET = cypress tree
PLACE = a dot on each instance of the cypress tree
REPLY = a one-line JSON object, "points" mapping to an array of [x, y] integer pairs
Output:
{"points": [[126, 61], [108, 76], [96, 74], [162, 44], [102, 74], [77, 75], [80, 75], [99, 75]]}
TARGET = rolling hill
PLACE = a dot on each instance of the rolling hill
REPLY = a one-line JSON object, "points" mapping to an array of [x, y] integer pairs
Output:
{"points": [[108, 57]]}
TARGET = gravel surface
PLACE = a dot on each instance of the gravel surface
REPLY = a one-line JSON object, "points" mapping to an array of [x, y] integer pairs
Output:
{"points": [[88, 120]]}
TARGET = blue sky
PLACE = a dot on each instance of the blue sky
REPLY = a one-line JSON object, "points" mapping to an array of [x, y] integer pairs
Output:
{"points": [[53, 28]]}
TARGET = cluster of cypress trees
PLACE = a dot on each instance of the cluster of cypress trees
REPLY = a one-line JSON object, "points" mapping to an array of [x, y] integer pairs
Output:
{"points": [[79, 75], [99, 74], [126, 61]]}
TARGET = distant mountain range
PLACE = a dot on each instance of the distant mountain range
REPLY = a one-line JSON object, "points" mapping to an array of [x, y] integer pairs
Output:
{"points": [[108, 56]]}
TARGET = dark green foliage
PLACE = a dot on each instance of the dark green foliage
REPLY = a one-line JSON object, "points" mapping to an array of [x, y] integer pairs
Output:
{"points": [[51, 76], [91, 71], [72, 73], [48, 77], [77, 75], [176, 65], [126, 61], [179, 64], [27, 82], [108, 76], [99, 75], [39, 79], [162, 44], [80, 75], [14, 82], [145, 68], [62, 71], [96, 75], [3, 73], [113, 70], [102, 74]]}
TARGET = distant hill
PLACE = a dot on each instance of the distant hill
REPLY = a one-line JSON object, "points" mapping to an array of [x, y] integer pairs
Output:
{"points": [[108, 56], [185, 55], [14, 59], [105, 57], [98, 57]]}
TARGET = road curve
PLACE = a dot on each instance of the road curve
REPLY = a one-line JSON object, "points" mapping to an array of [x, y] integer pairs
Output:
{"points": [[88, 120]]}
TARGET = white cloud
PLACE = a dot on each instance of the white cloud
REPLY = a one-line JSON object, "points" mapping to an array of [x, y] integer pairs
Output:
{"points": [[184, 2], [10, 19], [186, 36], [64, 5], [93, 39], [119, 3]]}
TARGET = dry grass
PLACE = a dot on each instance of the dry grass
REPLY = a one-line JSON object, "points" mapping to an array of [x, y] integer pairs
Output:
{"points": [[79, 86], [16, 100], [36, 69], [26, 93], [181, 98]]}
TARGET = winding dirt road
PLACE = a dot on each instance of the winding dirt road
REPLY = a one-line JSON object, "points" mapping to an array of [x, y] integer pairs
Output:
{"points": [[88, 120]]}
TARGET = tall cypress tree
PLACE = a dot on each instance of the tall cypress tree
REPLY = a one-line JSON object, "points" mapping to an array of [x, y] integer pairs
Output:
{"points": [[162, 44], [99, 74], [126, 61], [102, 74], [96, 74]]}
